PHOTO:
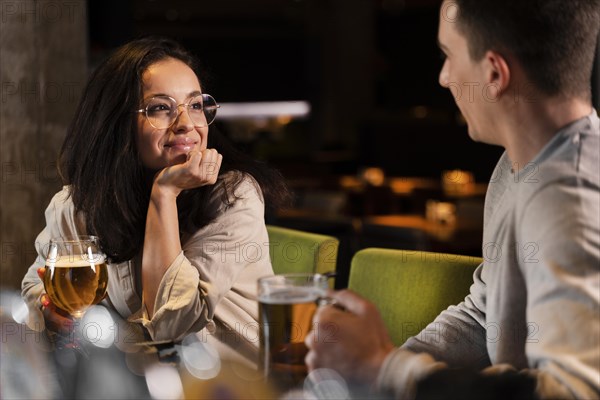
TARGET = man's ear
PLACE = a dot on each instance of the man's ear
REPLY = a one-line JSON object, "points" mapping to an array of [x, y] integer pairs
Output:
{"points": [[498, 72]]}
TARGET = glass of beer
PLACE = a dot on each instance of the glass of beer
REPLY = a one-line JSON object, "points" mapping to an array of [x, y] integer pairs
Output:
{"points": [[76, 275], [287, 303]]}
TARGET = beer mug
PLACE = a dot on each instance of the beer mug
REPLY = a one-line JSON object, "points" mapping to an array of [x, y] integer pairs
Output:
{"points": [[287, 304]]}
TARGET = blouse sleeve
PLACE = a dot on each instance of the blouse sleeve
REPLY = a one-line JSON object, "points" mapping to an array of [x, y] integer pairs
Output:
{"points": [[223, 259], [61, 221]]}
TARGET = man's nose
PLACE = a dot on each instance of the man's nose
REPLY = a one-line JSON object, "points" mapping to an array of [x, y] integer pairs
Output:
{"points": [[443, 77]]}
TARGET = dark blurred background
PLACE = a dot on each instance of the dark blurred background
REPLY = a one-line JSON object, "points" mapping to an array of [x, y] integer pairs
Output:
{"points": [[366, 165], [382, 159], [368, 68]]}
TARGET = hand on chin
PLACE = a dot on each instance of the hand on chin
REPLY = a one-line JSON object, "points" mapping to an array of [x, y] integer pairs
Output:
{"points": [[177, 159], [177, 156]]}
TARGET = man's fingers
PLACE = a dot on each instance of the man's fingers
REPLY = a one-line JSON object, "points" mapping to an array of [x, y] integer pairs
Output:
{"points": [[329, 312], [351, 301], [41, 271]]}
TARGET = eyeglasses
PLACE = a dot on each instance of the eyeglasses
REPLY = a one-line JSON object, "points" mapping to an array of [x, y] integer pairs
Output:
{"points": [[162, 111]]}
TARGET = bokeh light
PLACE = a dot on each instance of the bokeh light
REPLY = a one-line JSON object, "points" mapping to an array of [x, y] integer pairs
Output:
{"points": [[19, 310], [324, 383], [163, 381], [98, 327], [199, 358]]}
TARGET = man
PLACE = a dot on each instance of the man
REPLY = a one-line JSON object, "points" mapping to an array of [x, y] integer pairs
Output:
{"points": [[520, 72]]}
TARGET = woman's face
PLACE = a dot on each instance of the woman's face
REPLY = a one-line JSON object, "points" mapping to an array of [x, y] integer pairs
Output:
{"points": [[160, 148]]}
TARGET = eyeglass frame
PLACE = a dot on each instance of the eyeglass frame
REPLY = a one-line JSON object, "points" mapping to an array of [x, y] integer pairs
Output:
{"points": [[187, 108]]}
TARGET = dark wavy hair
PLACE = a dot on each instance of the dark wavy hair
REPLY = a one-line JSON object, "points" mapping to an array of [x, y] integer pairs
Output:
{"points": [[554, 40], [99, 157]]}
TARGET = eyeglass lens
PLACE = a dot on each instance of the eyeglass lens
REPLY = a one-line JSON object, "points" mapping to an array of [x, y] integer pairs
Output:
{"points": [[162, 111]]}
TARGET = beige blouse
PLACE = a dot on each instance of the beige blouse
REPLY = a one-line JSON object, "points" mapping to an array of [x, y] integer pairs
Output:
{"points": [[210, 288]]}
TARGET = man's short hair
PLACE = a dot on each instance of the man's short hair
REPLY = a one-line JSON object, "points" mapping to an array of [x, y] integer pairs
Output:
{"points": [[553, 40]]}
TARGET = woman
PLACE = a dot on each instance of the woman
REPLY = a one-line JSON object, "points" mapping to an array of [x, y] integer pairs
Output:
{"points": [[179, 213]]}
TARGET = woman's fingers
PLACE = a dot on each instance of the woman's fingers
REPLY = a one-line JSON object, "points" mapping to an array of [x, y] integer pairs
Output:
{"points": [[45, 300], [200, 169], [204, 166], [56, 320], [193, 158], [210, 165]]}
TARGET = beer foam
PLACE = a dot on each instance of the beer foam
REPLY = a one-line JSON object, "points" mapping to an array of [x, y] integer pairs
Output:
{"points": [[76, 261], [292, 296]]}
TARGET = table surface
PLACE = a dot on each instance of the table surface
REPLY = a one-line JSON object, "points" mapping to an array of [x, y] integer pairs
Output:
{"points": [[31, 367]]}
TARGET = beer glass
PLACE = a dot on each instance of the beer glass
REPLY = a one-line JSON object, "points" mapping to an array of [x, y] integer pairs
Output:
{"points": [[287, 303], [76, 275]]}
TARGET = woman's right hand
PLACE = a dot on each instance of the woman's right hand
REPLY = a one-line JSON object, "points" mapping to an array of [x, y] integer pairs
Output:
{"points": [[56, 320], [200, 169]]}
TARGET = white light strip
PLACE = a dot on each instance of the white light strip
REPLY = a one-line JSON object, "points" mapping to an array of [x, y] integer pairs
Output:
{"points": [[263, 109]]}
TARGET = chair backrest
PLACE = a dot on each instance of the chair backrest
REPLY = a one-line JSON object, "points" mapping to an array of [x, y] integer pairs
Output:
{"points": [[410, 288], [293, 250]]}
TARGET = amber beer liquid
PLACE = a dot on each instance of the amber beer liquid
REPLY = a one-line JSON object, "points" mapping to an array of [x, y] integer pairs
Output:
{"points": [[285, 318], [74, 283]]}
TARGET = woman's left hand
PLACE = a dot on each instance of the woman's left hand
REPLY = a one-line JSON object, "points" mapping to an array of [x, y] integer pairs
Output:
{"points": [[200, 169], [55, 319], [162, 243]]}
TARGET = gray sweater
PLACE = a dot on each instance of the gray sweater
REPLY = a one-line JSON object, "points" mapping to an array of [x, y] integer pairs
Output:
{"points": [[534, 306]]}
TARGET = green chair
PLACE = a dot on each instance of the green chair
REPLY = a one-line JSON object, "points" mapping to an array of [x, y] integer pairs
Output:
{"points": [[292, 250], [410, 288]]}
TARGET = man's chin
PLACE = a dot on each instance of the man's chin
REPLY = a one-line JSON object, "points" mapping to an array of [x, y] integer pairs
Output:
{"points": [[482, 138], [474, 136]]}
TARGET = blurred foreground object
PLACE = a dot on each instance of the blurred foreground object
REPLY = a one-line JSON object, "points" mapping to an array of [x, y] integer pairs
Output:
{"points": [[25, 368]]}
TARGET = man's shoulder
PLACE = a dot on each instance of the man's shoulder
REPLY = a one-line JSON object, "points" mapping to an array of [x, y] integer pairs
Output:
{"points": [[553, 180], [559, 188], [572, 163]]}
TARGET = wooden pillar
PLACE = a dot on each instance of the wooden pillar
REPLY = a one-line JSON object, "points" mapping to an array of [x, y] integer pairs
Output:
{"points": [[43, 69]]}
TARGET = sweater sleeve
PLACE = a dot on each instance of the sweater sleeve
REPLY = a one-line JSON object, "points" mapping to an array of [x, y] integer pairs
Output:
{"points": [[456, 338], [562, 282], [562, 279], [61, 221]]}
